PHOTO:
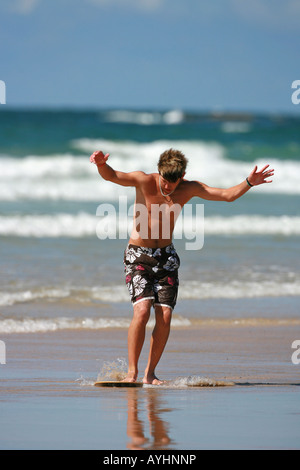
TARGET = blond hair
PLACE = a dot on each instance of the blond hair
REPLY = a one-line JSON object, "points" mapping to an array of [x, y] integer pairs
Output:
{"points": [[172, 165]]}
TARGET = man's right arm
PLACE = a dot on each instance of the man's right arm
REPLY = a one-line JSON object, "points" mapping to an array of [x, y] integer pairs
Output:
{"points": [[133, 178]]}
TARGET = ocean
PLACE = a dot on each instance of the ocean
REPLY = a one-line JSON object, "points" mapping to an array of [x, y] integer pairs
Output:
{"points": [[56, 271]]}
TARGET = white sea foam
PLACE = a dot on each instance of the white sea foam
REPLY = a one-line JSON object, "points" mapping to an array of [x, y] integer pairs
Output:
{"points": [[79, 294], [49, 166], [70, 177], [11, 298], [88, 225], [238, 289], [196, 381], [235, 127], [252, 225], [145, 118], [58, 225], [272, 285], [42, 325]]}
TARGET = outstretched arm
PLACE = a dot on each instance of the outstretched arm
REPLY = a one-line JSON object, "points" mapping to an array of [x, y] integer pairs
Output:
{"points": [[231, 194], [133, 178]]}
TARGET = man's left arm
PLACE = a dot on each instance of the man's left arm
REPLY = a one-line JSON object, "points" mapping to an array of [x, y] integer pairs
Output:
{"points": [[231, 194]]}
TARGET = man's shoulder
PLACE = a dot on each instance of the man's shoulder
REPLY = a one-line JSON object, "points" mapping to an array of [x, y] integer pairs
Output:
{"points": [[148, 177], [191, 188], [189, 184], [144, 174], [144, 179], [141, 175]]}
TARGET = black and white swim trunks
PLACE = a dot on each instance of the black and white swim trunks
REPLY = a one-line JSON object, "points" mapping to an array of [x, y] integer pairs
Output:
{"points": [[152, 273]]}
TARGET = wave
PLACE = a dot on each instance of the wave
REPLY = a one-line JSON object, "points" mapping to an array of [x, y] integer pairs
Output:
{"points": [[252, 225], [73, 177], [12, 298], [43, 325], [145, 118], [238, 289], [208, 162], [235, 127], [77, 294], [49, 166], [275, 286], [87, 225]]}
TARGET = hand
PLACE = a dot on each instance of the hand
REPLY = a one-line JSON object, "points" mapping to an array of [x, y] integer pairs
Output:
{"points": [[259, 177], [99, 158]]}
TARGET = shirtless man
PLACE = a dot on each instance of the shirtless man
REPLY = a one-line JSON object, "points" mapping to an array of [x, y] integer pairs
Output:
{"points": [[151, 262]]}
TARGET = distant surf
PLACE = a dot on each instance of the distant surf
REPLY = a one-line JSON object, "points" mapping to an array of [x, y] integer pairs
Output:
{"points": [[84, 224], [44, 324], [71, 177]]}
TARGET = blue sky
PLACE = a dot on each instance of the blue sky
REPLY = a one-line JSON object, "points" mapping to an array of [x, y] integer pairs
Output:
{"points": [[162, 54]]}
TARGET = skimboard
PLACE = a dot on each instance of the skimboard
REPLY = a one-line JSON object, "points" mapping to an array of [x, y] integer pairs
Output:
{"points": [[170, 384], [116, 383]]}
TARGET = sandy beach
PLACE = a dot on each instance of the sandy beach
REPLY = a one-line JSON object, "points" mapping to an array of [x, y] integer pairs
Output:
{"points": [[48, 400]]}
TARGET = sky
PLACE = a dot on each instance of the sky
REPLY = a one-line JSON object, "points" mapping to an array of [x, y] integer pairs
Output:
{"points": [[198, 55]]}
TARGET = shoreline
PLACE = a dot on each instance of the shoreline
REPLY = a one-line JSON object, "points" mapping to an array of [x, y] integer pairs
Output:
{"points": [[259, 350]]}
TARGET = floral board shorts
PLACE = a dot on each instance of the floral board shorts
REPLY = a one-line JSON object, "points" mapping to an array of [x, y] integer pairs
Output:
{"points": [[152, 273]]}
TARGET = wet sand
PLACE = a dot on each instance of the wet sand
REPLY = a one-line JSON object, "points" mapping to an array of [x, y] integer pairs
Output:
{"points": [[48, 400]]}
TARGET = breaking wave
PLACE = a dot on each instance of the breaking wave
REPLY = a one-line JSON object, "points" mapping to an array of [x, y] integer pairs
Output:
{"points": [[83, 224], [286, 284], [72, 177], [43, 325]]}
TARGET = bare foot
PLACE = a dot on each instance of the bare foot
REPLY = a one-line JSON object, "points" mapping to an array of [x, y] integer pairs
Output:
{"points": [[152, 380], [130, 377]]}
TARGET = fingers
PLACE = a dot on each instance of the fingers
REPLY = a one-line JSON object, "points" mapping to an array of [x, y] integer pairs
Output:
{"points": [[97, 154], [264, 168], [268, 173], [259, 177], [254, 170]]}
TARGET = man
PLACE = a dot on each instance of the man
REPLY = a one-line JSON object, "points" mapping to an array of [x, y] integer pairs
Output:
{"points": [[150, 259]]}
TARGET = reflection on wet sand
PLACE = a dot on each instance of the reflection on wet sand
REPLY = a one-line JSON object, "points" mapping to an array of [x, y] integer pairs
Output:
{"points": [[145, 413]]}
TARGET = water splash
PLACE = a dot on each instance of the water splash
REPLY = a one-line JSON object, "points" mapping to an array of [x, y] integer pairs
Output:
{"points": [[115, 370], [195, 381], [84, 382]]}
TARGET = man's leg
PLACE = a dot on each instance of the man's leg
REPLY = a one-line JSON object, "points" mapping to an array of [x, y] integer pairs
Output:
{"points": [[136, 337], [159, 339]]}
